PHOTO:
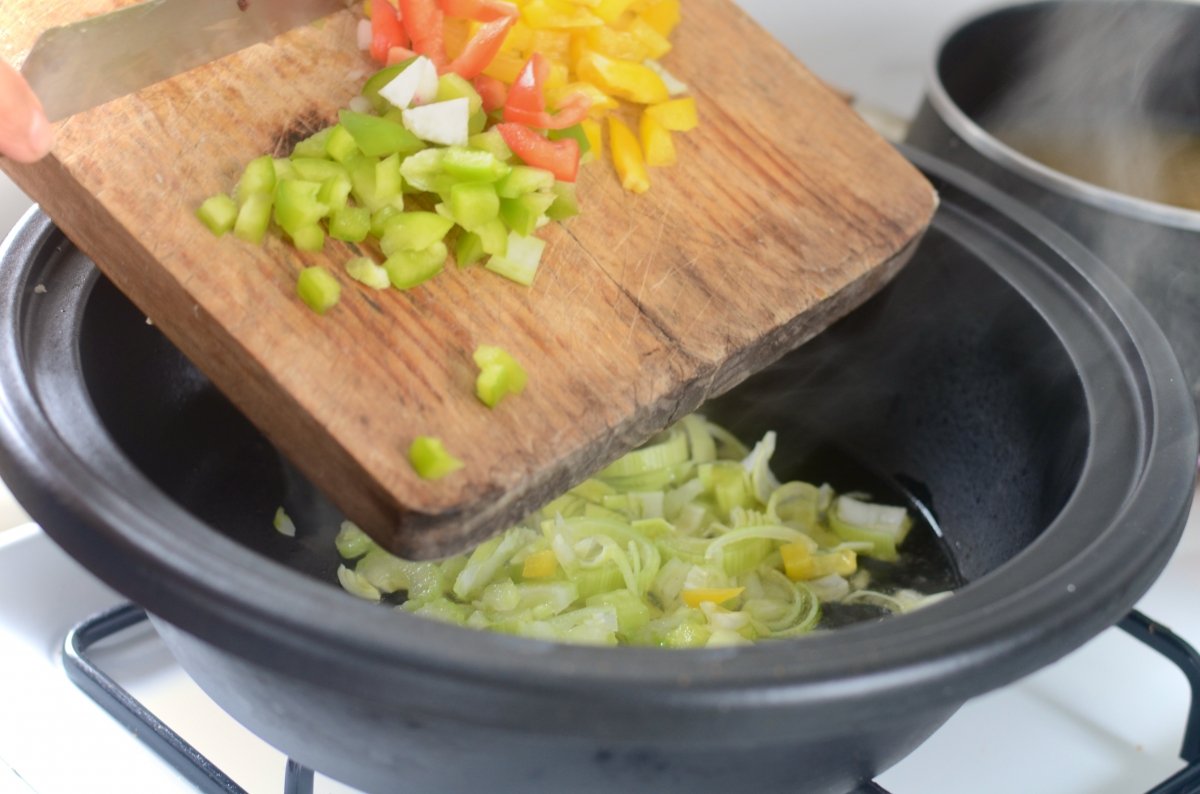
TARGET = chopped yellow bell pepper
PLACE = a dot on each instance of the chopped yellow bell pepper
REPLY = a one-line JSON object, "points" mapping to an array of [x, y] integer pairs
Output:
{"points": [[599, 49], [611, 10], [796, 557], [540, 565], [543, 14], [591, 128], [800, 563], [624, 44], [677, 115], [663, 15], [505, 67], [552, 44], [717, 595], [601, 102], [657, 146], [624, 79], [656, 44], [627, 157], [557, 78], [519, 40]]}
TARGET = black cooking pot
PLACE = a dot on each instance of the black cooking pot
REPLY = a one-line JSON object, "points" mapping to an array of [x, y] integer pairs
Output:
{"points": [[1088, 67], [1005, 380]]}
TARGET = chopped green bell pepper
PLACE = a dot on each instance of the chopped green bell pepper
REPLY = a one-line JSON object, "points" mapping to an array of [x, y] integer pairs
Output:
{"points": [[524, 213], [257, 177], [430, 459], [414, 231], [317, 287], [473, 204], [350, 224], [407, 269], [253, 218], [218, 213], [499, 375], [379, 137]]}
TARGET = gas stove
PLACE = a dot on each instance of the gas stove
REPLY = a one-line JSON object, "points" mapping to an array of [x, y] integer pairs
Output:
{"points": [[1107, 719]]}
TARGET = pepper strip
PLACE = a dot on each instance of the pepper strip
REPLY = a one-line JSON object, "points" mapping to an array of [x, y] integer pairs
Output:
{"points": [[561, 157], [481, 49], [386, 31], [526, 103], [423, 19], [493, 92], [478, 10]]}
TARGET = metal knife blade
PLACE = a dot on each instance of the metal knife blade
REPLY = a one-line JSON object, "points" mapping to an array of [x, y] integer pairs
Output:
{"points": [[79, 66]]}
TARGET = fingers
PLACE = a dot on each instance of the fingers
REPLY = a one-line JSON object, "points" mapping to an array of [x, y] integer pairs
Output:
{"points": [[25, 134]]}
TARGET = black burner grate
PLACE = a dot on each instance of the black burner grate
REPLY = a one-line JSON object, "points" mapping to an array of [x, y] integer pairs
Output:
{"points": [[143, 723], [298, 779], [1183, 656]]}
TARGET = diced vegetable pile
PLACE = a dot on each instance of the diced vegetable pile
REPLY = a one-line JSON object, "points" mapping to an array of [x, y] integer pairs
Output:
{"points": [[399, 181], [469, 139], [689, 541], [583, 58]]}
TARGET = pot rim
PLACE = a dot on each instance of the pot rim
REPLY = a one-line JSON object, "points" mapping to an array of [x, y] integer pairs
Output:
{"points": [[210, 586], [1063, 184]]}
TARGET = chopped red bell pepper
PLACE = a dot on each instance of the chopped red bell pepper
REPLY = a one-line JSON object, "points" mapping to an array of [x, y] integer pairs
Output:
{"points": [[481, 49], [399, 54], [573, 111], [386, 31], [560, 157], [479, 10], [526, 93], [526, 103], [493, 92], [423, 19]]}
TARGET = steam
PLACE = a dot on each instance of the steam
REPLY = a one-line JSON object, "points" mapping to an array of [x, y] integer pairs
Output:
{"points": [[1105, 94], [1109, 92]]}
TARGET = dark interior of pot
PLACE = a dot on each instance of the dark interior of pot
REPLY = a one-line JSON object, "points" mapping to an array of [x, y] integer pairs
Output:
{"points": [[947, 388]]}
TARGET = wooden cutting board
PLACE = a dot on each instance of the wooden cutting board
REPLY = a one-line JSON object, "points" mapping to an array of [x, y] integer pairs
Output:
{"points": [[784, 213]]}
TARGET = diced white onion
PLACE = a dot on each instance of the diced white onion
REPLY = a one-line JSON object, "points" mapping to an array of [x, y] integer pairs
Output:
{"points": [[440, 122], [416, 85]]}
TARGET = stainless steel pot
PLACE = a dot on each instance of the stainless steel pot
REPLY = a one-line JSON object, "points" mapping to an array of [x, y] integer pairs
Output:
{"points": [[1088, 65]]}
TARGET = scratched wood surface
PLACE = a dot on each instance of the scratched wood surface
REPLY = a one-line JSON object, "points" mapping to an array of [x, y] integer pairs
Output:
{"points": [[784, 213]]}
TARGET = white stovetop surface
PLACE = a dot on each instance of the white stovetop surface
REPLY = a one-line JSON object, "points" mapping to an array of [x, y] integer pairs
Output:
{"points": [[1107, 719]]}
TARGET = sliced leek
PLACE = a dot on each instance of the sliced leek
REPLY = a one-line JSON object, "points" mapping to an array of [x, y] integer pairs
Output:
{"points": [[689, 541]]}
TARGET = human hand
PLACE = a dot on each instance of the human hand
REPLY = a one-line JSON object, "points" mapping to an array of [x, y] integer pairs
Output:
{"points": [[25, 134]]}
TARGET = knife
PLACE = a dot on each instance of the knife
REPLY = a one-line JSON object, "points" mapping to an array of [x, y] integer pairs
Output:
{"points": [[79, 66]]}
